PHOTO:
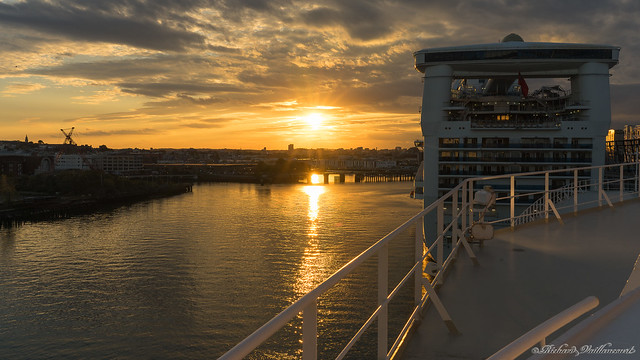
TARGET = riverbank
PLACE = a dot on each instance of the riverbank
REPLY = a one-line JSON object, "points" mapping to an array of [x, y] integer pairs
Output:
{"points": [[52, 207], [60, 195]]}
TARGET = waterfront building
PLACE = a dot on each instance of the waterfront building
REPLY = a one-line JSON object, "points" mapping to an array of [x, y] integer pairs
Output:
{"points": [[118, 163], [12, 165], [623, 145], [615, 135], [479, 117], [631, 132], [71, 162], [19, 164]]}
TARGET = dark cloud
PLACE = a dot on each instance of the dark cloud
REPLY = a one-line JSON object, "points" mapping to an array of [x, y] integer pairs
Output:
{"points": [[224, 49], [147, 131], [245, 10], [100, 21], [100, 70], [363, 20], [184, 88], [127, 67]]}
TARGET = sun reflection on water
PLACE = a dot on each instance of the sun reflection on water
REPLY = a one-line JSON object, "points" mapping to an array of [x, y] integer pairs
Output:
{"points": [[311, 270], [314, 193]]}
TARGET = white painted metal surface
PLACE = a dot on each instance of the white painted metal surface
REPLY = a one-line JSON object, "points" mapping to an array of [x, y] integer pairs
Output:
{"points": [[539, 334]]}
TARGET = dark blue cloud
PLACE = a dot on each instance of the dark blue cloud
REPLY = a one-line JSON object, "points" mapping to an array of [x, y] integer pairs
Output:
{"points": [[102, 21]]}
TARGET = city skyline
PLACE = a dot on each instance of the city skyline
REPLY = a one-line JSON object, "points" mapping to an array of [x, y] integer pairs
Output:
{"points": [[254, 74]]}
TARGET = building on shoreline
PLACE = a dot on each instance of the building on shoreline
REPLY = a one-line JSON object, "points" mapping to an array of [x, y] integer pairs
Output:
{"points": [[19, 158]]}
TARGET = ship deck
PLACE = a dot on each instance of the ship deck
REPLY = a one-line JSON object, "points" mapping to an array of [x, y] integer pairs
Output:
{"points": [[527, 276]]}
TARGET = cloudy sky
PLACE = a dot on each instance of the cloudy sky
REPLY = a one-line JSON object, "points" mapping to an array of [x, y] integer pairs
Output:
{"points": [[263, 73]]}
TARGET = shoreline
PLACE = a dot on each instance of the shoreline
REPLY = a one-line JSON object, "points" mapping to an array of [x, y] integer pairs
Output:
{"points": [[51, 207]]}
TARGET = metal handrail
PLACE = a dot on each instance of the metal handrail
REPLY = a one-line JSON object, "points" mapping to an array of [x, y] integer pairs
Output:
{"points": [[536, 210], [459, 201]]}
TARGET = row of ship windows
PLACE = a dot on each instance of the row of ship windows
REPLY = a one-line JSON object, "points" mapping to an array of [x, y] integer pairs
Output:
{"points": [[503, 154], [505, 141]]}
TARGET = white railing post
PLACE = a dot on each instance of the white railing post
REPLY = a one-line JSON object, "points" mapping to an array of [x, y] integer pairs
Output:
{"points": [[637, 175], [310, 331], [454, 219], [440, 236], [383, 293], [513, 201], [575, 191], [546, 196], [463, 208], [600, 186], [419, 252], [621, 182], [470, 203]]}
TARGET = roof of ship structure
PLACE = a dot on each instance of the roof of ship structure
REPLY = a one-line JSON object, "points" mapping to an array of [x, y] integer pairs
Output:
{"points": [[512, 55]]}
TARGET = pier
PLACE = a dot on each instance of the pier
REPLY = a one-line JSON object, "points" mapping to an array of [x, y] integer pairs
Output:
{"points": [[252, 173], [341, 177]]}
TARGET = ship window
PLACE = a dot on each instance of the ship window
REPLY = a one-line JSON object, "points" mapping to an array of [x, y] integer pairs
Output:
{"points": [[495, 142], [449, 141]]}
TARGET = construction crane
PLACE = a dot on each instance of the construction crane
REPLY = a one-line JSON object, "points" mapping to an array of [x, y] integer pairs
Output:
{"points": [[67, 136]]}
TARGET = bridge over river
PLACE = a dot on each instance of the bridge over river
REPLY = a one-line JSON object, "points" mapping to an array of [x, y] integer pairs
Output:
{"points": [[250, 172]]}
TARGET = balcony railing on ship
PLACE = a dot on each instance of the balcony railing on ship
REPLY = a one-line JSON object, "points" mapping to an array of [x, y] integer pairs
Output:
{"points": [[511, 159], [493, 124], [485, 146], [610, 184]]}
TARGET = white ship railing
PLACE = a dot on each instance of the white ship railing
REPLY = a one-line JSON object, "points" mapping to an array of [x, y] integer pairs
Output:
{"points": [[536, 210], [605, 181]]}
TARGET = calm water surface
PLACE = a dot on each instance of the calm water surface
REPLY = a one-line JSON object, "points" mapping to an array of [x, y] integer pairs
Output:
{"points": [[190, 276]]}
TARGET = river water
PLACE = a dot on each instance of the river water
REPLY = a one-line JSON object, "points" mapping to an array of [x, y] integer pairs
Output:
{"points": [[189, 276]]}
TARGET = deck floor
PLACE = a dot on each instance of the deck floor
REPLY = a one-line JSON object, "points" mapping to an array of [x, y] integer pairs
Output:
{"points": [[527, 276]]}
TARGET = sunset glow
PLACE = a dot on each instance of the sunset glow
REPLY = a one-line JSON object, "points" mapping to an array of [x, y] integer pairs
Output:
{"points": [[256, 74], [314, 120]]}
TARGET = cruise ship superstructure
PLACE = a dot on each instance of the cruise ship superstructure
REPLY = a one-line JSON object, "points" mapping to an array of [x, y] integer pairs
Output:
{"points": [[480, 117]]}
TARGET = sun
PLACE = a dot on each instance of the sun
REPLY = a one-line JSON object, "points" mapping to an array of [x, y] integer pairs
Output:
{"points": [[316, 179], [314, 120]]}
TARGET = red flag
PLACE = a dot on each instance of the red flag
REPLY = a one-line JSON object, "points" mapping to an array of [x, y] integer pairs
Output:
{"points": [[523, 85]]}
